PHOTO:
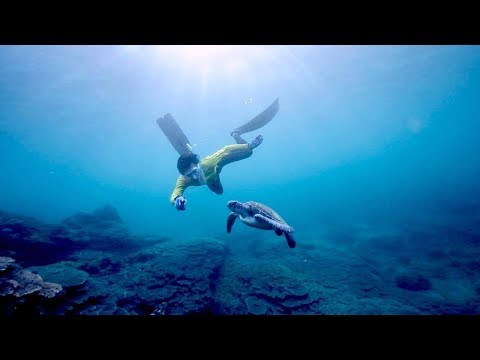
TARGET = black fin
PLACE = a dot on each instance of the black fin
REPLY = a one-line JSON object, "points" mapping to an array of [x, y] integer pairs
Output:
{"points": [[174, 134], [260, 120]]}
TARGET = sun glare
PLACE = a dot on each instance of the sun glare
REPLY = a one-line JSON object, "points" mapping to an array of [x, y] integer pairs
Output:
{"points": [[222, 59], [210, 64], [231, 65], [208, 53]]}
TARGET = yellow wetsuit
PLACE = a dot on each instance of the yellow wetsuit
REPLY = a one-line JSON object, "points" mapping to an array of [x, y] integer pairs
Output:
{"points": [[212, 166]]}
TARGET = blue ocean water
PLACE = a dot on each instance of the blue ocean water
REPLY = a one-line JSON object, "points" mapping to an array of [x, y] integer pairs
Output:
{"points": [[370, 143]]}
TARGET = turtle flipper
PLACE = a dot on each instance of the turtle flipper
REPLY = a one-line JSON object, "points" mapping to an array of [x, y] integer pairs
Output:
{"points": [[275, 224], [290, 240], [278, 232], [230, 221]]}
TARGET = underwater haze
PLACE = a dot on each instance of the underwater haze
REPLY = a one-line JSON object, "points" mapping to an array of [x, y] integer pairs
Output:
{"points": [[372, 158]]}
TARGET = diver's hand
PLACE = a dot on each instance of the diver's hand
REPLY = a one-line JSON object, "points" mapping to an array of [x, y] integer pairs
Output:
{"points": [[180, 202]]}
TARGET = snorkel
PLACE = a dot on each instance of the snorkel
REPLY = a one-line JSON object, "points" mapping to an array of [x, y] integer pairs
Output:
{"points": [[198, 174]]}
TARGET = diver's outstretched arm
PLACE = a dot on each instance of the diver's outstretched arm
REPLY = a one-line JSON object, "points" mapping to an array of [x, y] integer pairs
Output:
{"points": [[257, 122]]}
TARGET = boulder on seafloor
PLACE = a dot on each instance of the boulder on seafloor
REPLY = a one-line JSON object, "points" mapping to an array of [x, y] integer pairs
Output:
{"points": [[262, 288], [179, 278], [166, 278], [5, 262], [62, 273], [21, 291], [28, 240], [103, 229], [413, 282], [102, 266]]}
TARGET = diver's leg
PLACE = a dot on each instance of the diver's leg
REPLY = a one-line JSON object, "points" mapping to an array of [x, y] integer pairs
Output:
{"points": [[238, 138], [232, 153], [224, 156], [255, 142], [258, 121]]}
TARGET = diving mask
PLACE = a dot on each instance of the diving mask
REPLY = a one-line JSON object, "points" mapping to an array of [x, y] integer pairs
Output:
{"points": [[196, 172]]}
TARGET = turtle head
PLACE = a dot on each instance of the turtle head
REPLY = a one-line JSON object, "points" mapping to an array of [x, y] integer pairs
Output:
{"points": [[238, 207]]}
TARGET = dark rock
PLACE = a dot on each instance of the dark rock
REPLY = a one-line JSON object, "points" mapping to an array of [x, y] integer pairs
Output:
{"points": [[264, 288], [159, 276], [50, 290], [136, 305], [101, 230], [62, 274], [107, 214], [141, 258], [20, 283], [104, 216], [103, 266], [29, 239], [23, 292], [413, 282], [177, 278], [154, 239], [5, 263]]}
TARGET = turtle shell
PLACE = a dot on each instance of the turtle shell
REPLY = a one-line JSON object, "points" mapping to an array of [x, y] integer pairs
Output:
{"points": [[266, 211]]}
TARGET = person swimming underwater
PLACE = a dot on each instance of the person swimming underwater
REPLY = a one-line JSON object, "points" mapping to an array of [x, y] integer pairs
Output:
{"points": [[197, 172]]}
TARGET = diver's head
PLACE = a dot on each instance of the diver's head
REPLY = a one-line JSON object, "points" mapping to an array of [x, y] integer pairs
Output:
{"points": [[187, 163]]}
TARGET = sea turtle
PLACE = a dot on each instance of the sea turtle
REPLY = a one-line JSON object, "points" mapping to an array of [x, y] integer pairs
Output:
{"points": [[260, 216]]}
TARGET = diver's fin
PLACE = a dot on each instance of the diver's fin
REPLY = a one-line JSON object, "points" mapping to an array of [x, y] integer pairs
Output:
{"points": [[260, 120], [174, 134]]}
